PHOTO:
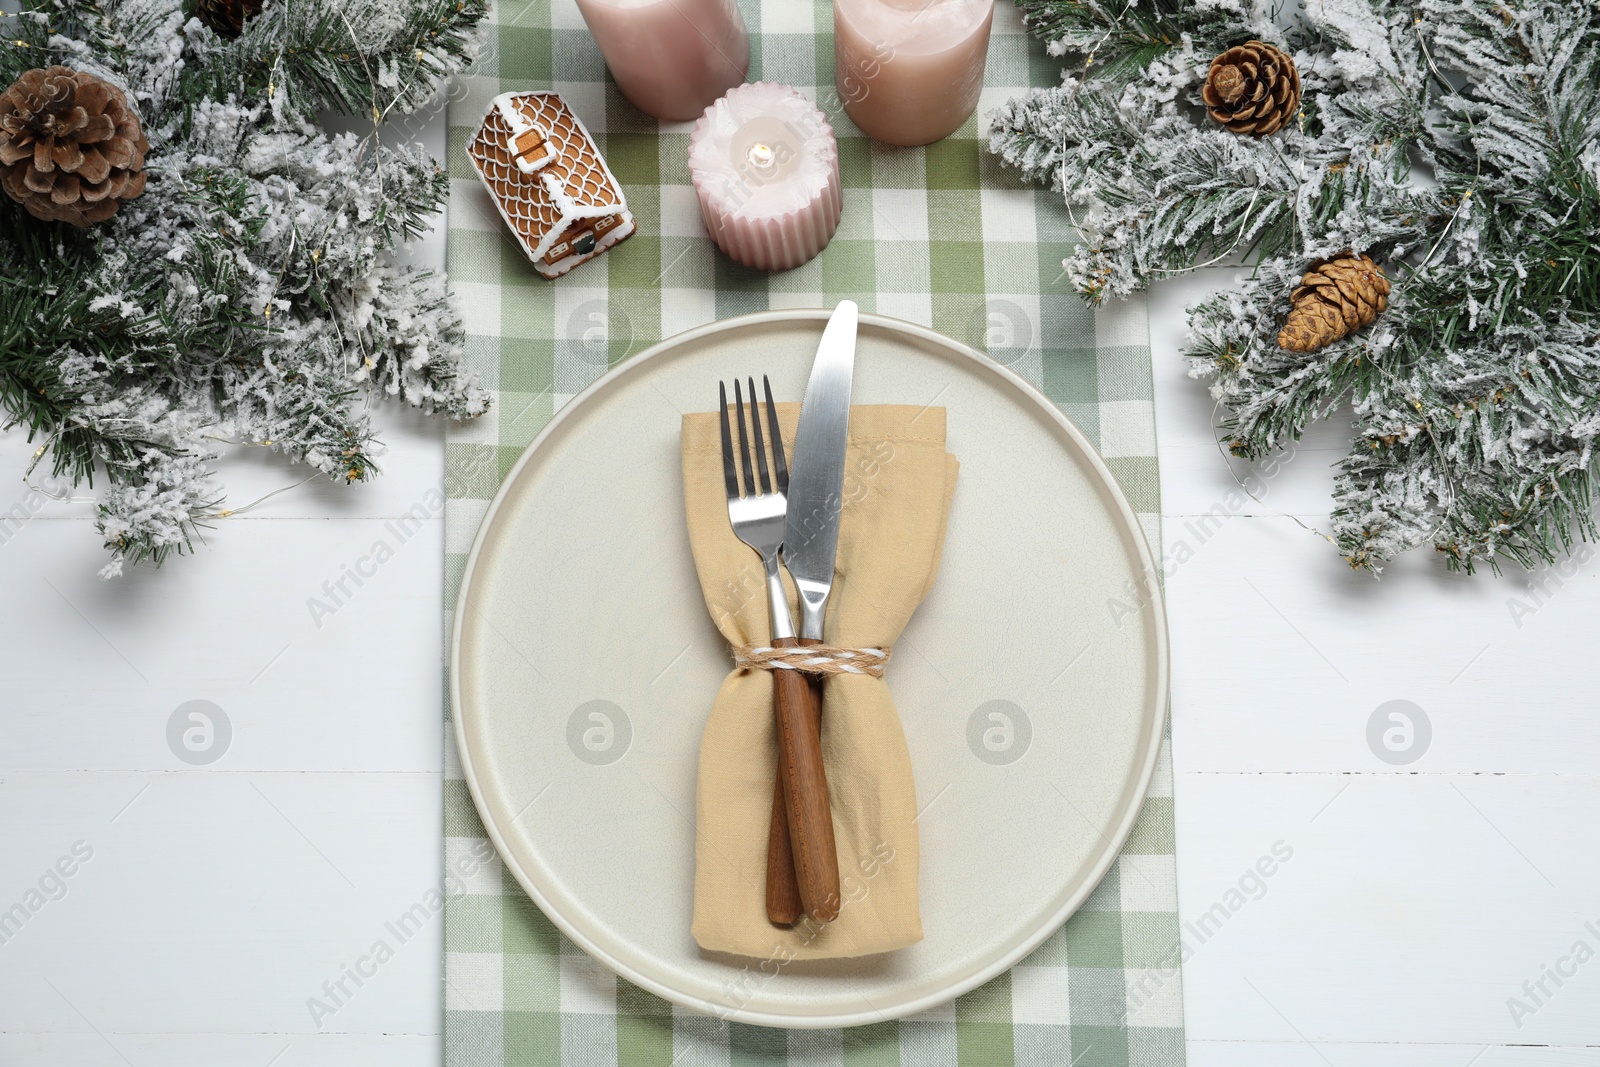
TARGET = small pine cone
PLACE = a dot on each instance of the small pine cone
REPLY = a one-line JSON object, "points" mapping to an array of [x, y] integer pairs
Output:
{"points": [[71, 147], [1252, 88], [227, 17], [1335, 298]]}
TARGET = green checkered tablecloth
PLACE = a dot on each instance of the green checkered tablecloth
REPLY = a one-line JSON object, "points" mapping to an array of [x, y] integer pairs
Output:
{"points": [[939, 236]]}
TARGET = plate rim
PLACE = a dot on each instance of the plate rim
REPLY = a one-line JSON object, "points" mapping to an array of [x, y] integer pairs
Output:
{"points": [[1117, 838]]}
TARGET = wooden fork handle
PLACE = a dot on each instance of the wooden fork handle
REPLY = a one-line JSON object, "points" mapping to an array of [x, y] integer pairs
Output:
{"points": [[783, 889], [804, 786]]}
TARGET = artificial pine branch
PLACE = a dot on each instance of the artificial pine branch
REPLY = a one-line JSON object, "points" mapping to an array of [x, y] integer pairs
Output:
{"points": [[247, 296], [1476, 394], [1117, 39], [368, 57]]}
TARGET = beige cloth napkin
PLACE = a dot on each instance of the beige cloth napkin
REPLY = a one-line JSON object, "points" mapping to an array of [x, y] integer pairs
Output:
{"points": [[897, 489]]}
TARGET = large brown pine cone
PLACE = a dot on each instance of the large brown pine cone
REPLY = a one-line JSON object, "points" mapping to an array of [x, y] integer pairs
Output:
{"points": [[1335, 298], [1252, 88], [71, 147]]}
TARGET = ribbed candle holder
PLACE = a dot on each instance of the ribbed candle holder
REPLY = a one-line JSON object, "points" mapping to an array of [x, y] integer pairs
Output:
{"points": [[765, 168]]}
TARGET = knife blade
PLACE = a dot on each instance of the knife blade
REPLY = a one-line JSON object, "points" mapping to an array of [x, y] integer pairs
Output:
{"points": [[802, 860], [816, 473]]}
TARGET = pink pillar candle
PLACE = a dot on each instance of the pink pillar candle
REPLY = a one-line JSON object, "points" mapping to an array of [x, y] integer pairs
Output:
{"points": [[670, 57], [910, 71], [766, 169]]}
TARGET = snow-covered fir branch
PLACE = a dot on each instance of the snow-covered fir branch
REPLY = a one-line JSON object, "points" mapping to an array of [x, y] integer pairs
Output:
{"points": [[249, 294], [1455, 142]]}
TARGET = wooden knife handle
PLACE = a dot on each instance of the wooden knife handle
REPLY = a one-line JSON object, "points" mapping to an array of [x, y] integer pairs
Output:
{"points": [[805, 794], [783, 890]]}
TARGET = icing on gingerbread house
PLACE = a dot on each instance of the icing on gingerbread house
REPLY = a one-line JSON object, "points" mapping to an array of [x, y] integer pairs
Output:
{"points": [[548, 180]]}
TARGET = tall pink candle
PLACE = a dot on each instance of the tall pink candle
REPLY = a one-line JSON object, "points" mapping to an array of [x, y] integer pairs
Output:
{"points": [[671, 58], [765, 168], [910, 71]]}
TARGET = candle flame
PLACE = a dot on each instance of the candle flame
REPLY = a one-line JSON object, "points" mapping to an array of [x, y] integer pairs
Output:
{"points": [[762, 156]]}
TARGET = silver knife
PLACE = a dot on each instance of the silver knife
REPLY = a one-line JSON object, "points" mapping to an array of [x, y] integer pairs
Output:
{"points": [[801, 845], [816, 471]]}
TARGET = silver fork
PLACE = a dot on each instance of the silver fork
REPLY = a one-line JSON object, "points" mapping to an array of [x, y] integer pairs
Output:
{"points": [[758, 512], [800, 794]]}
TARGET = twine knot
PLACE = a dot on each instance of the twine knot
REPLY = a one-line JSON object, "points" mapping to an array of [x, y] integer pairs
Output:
{"points": [[813, 659]]}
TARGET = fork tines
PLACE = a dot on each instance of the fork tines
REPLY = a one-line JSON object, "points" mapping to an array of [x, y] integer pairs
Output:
{"points": [[756, 479]]}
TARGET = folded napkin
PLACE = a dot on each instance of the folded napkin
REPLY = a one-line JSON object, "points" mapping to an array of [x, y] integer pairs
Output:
{"points": [[897, 488]]}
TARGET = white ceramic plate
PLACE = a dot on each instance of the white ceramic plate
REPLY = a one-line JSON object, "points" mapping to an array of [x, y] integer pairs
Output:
{"points": [[579, 597]]}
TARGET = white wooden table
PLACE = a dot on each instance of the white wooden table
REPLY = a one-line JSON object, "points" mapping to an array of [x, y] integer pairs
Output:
{"points": [[216, 900]]}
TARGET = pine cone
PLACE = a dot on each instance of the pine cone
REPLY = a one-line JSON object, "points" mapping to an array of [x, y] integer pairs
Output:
{"points": [[1252, 88], [1335, 298], [227, 17], [71, 148]]}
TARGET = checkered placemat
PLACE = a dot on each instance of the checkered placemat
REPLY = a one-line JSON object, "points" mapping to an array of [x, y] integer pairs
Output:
{"points": [[940, 236]]}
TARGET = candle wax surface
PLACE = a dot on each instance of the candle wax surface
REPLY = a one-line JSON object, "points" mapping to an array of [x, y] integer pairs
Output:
{"points": [[910, 71], [765, 168], [670, 58], [918, 26], [744, 130]]}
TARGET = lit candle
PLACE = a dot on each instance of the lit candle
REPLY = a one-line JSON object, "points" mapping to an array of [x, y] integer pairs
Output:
{"points": [[766, 169], [670, 57], [909, 71]]}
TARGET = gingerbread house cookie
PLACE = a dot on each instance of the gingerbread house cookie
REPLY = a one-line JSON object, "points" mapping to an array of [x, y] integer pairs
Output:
{"points": [[548, 180]]}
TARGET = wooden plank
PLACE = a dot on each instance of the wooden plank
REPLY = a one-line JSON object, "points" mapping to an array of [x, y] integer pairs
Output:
{"points": [[319, 639], [88, 1049], [220, 903], [1413, 907], [1349, 1054]]}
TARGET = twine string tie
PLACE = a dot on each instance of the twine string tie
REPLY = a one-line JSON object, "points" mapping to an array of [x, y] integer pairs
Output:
{"points": [[812, 659]]}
